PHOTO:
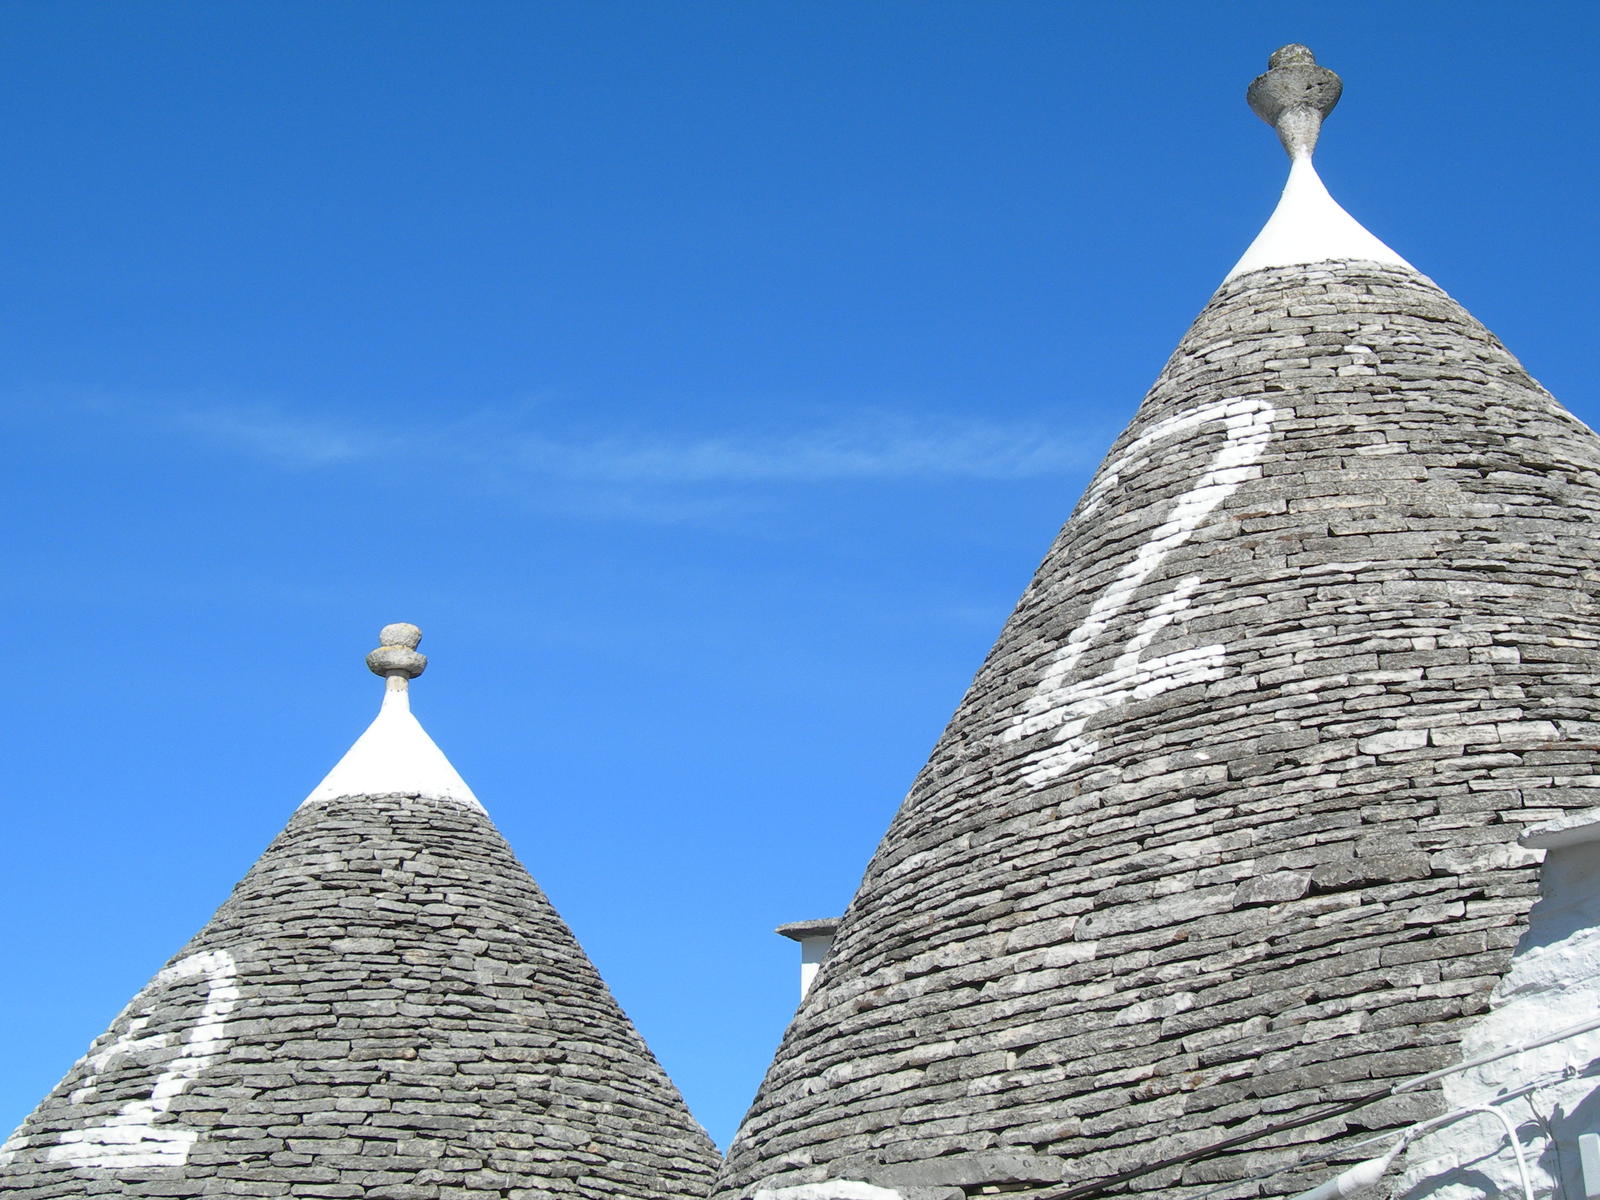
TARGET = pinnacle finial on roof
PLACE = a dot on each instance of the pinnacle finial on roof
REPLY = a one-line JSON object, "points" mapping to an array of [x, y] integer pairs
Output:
{"points": [[1308, 225], [1294, 96], [396, 657], [395, 756]]}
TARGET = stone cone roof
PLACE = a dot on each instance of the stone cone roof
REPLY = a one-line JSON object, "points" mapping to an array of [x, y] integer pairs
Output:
{"points": [[1224, 831], [386, 1007]]}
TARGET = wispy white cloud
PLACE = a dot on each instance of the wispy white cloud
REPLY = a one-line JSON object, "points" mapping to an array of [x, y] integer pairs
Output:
{"points": [[561, 464], [870, 447], [281, 439]]}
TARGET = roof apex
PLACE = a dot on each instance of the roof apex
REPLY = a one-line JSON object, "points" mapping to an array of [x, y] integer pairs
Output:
{"points": [[1308, 225], [395, 756]]}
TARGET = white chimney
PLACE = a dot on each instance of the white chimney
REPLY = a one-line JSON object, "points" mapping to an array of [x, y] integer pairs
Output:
{"points": [[816, 939]]}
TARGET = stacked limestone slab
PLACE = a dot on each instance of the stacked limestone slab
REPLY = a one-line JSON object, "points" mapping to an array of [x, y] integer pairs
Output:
{"points": [[386, 1007], [1224, 831]]}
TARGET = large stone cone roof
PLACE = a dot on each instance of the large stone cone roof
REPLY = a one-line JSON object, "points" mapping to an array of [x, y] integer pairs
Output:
{"points": [[1224, 830], [387, 1006]]}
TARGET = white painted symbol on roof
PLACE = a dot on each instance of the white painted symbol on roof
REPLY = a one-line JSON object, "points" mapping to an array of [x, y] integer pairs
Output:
{"points": [[129, 1137], [1065, 704]]}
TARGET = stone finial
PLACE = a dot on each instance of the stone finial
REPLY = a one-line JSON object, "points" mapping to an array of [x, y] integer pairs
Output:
{"points": [[1294, 96], [396, 654]]}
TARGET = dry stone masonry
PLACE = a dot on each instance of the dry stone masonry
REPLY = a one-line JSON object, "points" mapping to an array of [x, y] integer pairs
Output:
{"points": [[1225, 831], [387, 1007]]}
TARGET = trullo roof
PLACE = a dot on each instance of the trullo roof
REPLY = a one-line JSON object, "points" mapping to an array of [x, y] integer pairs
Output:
{"points": [[1223, 835], [387, 1006]]}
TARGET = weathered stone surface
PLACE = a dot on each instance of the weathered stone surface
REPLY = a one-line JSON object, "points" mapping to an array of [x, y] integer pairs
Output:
{"points": [[1224, 830], [387, 1006], [970, 1170]]}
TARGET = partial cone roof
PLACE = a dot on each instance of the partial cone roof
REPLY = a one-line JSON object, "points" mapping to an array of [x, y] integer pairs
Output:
{"points": [[1224, 831], [387, 1006]]}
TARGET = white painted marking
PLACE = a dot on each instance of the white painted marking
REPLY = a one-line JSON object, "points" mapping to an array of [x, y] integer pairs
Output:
{"points": [[1309, 226], [1066, 704], [394, 756], [129, 1137]]}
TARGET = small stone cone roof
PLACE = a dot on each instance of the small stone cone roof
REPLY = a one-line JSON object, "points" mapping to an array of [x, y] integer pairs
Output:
{"points": [[1225, 830], [387, 1006]]}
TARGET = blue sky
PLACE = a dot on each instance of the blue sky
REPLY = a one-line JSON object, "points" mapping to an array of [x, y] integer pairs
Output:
{"points": [[705, 379]]}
